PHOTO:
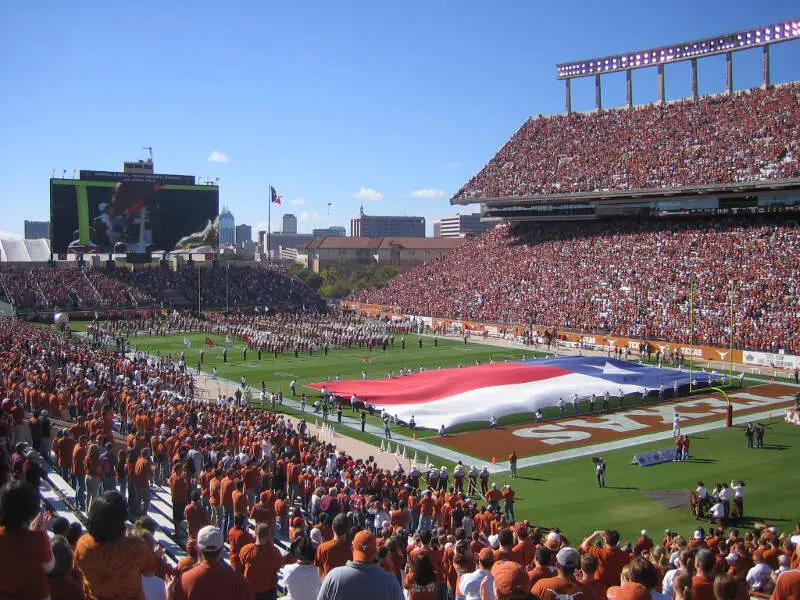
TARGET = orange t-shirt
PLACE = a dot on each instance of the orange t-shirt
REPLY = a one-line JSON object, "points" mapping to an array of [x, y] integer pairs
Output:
{"points": [[226, 489], [262, 513], [179, 489], [212, 581], [79, 461], [611, 560], [24, 552], [114, 569], [143, 472], [334, 553], [261, 565], [239, 503], [238, 539], [196, 518]]}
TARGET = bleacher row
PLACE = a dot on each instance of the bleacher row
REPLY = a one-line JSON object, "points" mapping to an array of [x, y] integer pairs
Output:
{"points": [[747, 137], [60, 497]]}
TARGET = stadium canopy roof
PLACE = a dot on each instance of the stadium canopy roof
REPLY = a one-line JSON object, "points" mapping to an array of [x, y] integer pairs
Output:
{"points": [[24, 251]]}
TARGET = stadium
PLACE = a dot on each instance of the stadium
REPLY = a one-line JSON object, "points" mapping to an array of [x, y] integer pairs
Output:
{"points": [[632, 318]]}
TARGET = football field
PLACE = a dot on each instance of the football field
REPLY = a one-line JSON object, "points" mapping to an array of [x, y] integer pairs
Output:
{"points": [[563, 493]]}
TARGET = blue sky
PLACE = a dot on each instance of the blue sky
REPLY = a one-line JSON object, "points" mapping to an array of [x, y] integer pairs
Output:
{"points": [[393, 105]]}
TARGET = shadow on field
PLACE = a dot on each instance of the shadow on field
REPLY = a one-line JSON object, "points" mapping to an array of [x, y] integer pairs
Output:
{"points": [[620, 487], [703, 461], [775, 447], [530, 478], [751, 521]]}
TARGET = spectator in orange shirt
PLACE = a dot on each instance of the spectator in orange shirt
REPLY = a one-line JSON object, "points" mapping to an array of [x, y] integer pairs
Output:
{"points": [[110, 563], [25, 551], [610, 557], [191, 558], [211, 579], [179, 490], [239, 500], [93, 474], [214, 489], [336, 552], [426, 507], [238, 538], [79, 471], [524, 548], [261, 561], [226, 487], [196, 515], [508, 504], [143, 476], [282, 513], [506, 552], [493, 496], [543, 565], [263, 512], [589, 564]]}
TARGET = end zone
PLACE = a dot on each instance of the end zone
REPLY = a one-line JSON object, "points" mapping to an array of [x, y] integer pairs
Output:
{"points": [[537, 443]]}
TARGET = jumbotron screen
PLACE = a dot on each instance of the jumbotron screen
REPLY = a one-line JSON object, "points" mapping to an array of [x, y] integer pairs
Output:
{"points": [[132, 215]]}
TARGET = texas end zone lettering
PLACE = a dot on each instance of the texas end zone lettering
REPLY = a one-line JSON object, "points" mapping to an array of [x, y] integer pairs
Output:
{"points": [[641, 420]]}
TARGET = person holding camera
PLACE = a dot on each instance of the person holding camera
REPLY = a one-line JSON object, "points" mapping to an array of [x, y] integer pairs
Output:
{"points": [[600, 471]]}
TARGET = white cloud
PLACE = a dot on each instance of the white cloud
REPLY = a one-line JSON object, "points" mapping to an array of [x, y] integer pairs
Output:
{"points": [[8, 235], [453, 164], [217, 156], [367, 194], [428, 193], [298, 202]]}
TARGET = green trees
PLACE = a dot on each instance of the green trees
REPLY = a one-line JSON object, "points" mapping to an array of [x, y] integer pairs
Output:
{"points": [[333, 283]]}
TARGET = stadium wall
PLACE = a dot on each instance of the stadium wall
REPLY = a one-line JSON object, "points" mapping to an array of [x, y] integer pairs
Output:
{"points": [[590, 340]]}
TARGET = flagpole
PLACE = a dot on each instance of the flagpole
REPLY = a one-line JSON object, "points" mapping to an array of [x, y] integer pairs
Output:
{"points": [[269, 221]]}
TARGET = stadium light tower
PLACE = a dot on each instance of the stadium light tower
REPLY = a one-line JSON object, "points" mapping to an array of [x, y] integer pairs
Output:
{"points": [[726, 44]]}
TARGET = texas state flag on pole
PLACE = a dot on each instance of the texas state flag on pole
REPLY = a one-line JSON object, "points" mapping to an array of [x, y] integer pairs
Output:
{"points": [[452, 396], [274, 196]]}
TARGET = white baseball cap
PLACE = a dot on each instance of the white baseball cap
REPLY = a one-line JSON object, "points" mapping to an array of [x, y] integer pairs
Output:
{"points": [[210, 539]]}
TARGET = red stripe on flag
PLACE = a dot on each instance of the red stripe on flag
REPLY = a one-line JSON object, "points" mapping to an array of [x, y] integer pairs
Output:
{"points": [[427, 386]]}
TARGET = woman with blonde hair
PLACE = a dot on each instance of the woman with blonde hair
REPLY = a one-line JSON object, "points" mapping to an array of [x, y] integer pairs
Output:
{"points": [[682, 586]]}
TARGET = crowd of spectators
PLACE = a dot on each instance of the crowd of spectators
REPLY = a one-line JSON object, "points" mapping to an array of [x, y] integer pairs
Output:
{"points": [[221, 286], [118, 294], [355, 530], [750, 136], [629, 278], [71, 288], [46, 287]]}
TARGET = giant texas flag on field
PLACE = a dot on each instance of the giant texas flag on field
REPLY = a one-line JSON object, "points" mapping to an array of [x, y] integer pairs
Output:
{"points": [[452, 396]]}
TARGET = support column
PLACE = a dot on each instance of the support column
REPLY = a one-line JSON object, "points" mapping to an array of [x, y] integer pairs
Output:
{"points": [[568, 89], [765, 67], [598, 96], [629, 84], [661, 83], [729, 73], [694, 78]]}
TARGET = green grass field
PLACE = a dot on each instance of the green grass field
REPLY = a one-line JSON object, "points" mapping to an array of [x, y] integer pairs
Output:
{"points": [[565, 493]]}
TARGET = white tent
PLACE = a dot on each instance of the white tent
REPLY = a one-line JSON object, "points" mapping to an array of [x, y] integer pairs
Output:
{"points": [[24, 251]]}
